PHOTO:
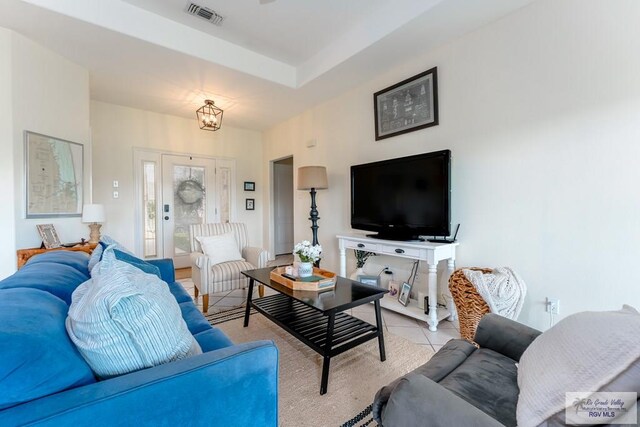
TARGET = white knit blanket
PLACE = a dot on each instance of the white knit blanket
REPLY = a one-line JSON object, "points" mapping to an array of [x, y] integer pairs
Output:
{"points": [[503, 290]]}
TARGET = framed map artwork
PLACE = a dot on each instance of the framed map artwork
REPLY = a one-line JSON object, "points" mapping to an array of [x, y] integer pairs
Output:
{"points": [[54, 171]]}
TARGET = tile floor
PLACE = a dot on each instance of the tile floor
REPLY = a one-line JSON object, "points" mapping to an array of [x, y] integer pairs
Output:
{"points": [[394, 323]]}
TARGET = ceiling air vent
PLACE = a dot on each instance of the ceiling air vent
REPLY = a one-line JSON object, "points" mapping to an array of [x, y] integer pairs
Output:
{"points": [[204, 13]]}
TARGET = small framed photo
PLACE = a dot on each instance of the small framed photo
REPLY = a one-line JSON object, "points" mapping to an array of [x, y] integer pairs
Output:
{"points": [[250, 204], [405, 289], [394, 288], [49, 236], [249, 186], [369, 280]]}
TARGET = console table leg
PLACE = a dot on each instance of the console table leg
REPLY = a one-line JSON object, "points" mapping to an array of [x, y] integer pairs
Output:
{"points": [[433, 297], [247, 311], [343, 262], [383, 355], [327, 354]]}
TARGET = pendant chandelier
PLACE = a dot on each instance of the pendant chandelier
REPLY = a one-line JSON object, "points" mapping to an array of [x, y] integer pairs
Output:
{"points": [[209, 116]]}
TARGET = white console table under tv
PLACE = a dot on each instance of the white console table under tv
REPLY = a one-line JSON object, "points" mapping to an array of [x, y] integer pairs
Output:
{"points": [[431, 253]]}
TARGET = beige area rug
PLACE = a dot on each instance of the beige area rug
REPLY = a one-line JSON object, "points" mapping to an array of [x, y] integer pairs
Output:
{"points": [[354, 378]]}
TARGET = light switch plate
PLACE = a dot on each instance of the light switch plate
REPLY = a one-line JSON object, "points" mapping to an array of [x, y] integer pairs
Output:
{"points": [[115, 184], [115, 195]]}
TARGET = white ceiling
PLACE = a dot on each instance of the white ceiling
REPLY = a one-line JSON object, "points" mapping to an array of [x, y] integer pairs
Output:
{"points": [[291, 31], [266, 63]]}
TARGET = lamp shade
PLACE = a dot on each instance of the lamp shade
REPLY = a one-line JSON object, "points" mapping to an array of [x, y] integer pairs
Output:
{"points": [[93, 213], [312, 177]]}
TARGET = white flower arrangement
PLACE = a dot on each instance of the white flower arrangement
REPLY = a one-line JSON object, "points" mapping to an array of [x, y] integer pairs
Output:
{"points": [[307, 252]]}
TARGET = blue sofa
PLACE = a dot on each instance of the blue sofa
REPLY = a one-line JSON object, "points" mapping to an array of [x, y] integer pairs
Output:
{"points": [[45, 381]]}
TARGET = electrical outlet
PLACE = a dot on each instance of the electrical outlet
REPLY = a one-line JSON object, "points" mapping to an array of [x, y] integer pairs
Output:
{"points": [[553, 305]]}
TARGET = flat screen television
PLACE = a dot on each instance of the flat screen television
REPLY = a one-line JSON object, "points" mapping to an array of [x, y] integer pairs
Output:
{"points": [[403, 198]]}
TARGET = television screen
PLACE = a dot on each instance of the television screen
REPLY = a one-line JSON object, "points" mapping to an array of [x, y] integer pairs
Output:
{"points": [[403, 198]]}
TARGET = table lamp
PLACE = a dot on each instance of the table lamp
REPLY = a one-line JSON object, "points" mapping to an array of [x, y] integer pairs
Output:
{"points": [[93, 214], [313, 178]]}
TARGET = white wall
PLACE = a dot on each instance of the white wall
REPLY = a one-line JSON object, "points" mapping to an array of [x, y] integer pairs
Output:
{"points": [[117, 130], [7, 214], [542, 113], [50, 96], [42, 92]]}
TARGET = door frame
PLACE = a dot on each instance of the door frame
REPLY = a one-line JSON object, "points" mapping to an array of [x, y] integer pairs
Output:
{"points": [[271, 213], [155, 155]]}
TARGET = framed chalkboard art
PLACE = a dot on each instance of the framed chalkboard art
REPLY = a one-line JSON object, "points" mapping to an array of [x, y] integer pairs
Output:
{"points": [[406, 106]]}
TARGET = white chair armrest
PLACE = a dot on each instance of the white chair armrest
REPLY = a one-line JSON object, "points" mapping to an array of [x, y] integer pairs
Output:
{"points": [[256, 256], [200, 271], [199, 260]]}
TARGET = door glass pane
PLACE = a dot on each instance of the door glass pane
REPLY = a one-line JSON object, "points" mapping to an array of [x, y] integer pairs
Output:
{"points": [[189, 204], [149, 208], [225, 194]]}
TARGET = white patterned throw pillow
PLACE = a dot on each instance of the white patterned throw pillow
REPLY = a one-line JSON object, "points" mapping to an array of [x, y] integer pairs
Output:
{"points": [[220, 248], [122, 320]]}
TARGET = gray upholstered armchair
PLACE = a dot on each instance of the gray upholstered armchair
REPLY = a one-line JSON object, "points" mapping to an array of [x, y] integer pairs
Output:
{"points": [[461, 384], [210, 278], [465, 385]]}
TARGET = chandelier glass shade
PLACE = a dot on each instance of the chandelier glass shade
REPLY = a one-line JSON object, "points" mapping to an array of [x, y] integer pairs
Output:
{"points": [[209, 116]]}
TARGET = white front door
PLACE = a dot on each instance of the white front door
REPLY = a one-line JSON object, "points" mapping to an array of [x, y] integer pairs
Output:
{"points": [[189, 196]]}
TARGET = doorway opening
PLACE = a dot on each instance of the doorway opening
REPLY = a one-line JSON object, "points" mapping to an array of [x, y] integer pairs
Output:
{"points": [[282, 174]]}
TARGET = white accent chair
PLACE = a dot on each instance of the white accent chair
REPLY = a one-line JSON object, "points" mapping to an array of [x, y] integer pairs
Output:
{"points": [[225, 276]]}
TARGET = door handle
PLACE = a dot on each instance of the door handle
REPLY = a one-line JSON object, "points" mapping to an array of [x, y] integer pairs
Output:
{"points": [[399, 251], [166, 218]]}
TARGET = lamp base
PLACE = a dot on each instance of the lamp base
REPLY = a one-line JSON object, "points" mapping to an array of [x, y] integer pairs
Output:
{"points": [[94, 237]]}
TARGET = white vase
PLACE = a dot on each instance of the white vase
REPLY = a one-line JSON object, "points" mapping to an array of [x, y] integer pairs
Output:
{"points": [[305, 269]]}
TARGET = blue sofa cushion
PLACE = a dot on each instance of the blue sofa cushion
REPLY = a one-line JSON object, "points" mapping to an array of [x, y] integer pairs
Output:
{"points": [[194, 318], [167, 272], [54, 277], [76, 259], [212, 339], [37, 357], [179, 292]]}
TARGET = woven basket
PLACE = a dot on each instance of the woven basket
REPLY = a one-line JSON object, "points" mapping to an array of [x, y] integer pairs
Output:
{"points": [[469, 304]]}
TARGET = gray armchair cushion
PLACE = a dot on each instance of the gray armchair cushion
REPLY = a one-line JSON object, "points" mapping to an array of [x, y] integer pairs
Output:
{"points": [[487, 380], [439, 366], [419, 401], [448, 358], [504, 336], [478, 377]]}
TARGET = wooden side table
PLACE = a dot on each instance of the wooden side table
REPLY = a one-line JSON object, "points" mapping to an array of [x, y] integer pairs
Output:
{"points": [[25, 254]]}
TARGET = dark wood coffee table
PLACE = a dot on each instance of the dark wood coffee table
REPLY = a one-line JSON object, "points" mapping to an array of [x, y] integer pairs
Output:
{"points": [[317, 318]]}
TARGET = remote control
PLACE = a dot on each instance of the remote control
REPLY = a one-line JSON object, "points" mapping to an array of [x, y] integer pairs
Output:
{"points": [[289, 276]]}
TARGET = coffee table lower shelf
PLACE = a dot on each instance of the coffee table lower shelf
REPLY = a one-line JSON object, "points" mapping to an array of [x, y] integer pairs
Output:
{"points": [[327, 335], [310, 326]]}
